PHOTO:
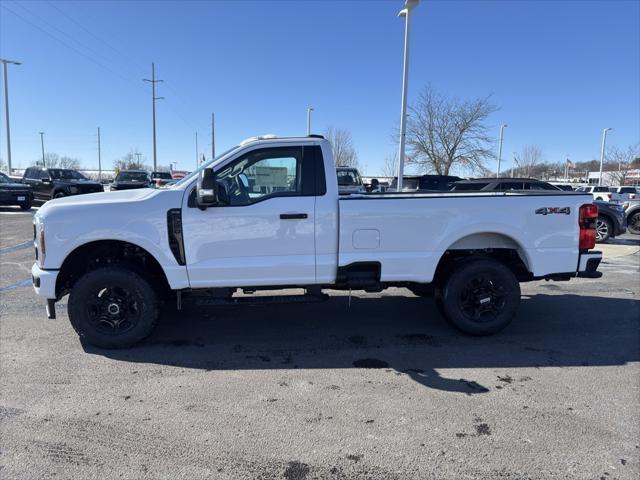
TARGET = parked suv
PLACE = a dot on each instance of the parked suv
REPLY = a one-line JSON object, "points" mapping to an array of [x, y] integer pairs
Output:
{"points": [[161, 178], [13, 193], [128, 179], [48, 183], [501, 185]]}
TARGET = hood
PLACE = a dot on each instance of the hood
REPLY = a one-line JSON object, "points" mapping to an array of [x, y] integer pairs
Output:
{"points": [[101, 198], [14, 186]]}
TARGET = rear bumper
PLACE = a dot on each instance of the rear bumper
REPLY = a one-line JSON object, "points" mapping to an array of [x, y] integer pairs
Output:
{"points": [[44, 281], [588, 264]]}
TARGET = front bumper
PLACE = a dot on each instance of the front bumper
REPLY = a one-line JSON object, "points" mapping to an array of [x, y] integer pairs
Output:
{"points": [[44, 281], [588, 264]]}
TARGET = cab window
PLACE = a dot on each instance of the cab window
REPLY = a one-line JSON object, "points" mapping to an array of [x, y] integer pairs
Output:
{"points": [[262, 174]]}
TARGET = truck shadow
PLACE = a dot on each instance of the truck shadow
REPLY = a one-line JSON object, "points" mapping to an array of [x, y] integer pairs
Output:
{"points": [[404, 335]]}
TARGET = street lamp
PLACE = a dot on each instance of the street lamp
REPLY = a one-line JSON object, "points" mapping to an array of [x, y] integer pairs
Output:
{"points": [[42, 144], [6, 108], [309, 110], [406, 13], [604, 141], [502, 127]]}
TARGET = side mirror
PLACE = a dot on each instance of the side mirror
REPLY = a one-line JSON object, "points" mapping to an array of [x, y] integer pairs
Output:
{"points": [[206, 189]]}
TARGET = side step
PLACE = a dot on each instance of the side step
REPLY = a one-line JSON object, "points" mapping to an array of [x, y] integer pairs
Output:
{"points": [[259, 300]]}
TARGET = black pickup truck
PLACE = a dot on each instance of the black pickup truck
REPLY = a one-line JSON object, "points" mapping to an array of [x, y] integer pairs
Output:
{"points": [[48, 183]]}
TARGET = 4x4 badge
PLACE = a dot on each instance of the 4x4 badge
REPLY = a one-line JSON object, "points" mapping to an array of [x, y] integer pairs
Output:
{"points": [[549, 210]]}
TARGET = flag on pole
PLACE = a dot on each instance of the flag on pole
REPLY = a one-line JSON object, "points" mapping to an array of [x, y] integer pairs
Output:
{"points": [[570, 164]]}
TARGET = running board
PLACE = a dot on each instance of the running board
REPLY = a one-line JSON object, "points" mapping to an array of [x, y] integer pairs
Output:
{"points": [[259, 300]]}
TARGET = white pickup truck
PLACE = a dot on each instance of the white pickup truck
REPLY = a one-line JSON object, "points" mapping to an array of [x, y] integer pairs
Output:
{"points": [[267, 215]]}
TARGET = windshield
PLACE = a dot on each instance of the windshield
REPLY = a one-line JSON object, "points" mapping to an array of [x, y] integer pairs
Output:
{"points": [[132, 177], [64, 174], [162, 175], [348, 177], [197, 171]]}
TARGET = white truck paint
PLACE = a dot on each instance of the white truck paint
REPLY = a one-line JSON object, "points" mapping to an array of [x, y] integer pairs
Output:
{"points": [[302, 233]]}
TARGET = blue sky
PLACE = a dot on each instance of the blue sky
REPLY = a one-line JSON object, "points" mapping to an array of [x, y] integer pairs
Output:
{"points": [[560, 71]]}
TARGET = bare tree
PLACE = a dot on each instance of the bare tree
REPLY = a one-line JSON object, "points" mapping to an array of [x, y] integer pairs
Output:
{"points": [[620, 161], [529, 160], [344, 154], [129, 162], [3, 165], [443, 133], [390, 165], [69, 162]]}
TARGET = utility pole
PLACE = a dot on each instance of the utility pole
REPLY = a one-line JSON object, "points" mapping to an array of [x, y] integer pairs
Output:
{"points": [[502, 127], [309, 110], [406, 12], [213, 137], [197, 159], [99, 158], [604, 141], [153, 82], [6, 108], [138, 155], [42, 144]]}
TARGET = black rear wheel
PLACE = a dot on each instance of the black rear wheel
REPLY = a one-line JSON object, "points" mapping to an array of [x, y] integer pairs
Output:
{"points": [[25, 206], [633, 223], [481, 297], [113, 307]]}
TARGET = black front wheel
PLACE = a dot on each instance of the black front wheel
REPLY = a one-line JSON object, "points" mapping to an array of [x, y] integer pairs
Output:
{"points": [[481, 297], [633, 223], [113, 307]]}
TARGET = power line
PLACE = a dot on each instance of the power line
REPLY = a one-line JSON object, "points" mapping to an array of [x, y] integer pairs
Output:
{"points": [[71, 19], [71, 47]]}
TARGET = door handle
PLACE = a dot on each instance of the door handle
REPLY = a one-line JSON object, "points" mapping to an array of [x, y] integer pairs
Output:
{"points": [[292, 216]]}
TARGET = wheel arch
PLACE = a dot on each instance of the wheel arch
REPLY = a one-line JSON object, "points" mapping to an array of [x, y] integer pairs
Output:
{"points": [[98, 253], [496, 245]]}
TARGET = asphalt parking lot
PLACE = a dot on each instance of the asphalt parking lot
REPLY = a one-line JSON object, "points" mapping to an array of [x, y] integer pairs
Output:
{"points": [[379, 387]]}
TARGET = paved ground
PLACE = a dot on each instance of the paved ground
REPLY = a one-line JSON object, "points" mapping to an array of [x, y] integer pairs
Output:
{"points": [[284, 392]]}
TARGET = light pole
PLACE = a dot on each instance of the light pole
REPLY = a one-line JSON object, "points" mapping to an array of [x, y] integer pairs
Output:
{"points": [[42, 144], [6, 109], [309, 110], [406, 13], [502, 127], [604, 142]]}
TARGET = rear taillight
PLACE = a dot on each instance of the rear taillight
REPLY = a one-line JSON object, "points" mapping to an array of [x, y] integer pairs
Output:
{"points": [[609, 195], [587, 220]]}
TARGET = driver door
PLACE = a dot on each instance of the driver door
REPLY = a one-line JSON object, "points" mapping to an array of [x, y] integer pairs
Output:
{"points": [[263, 233]]}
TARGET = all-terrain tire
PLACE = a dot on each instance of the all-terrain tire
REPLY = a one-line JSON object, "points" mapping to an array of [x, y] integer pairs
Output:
{"points": [[481, 297], [113, 307]]}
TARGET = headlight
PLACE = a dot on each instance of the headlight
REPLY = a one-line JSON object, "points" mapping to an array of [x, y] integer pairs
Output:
{"points": [[73, 189]]}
